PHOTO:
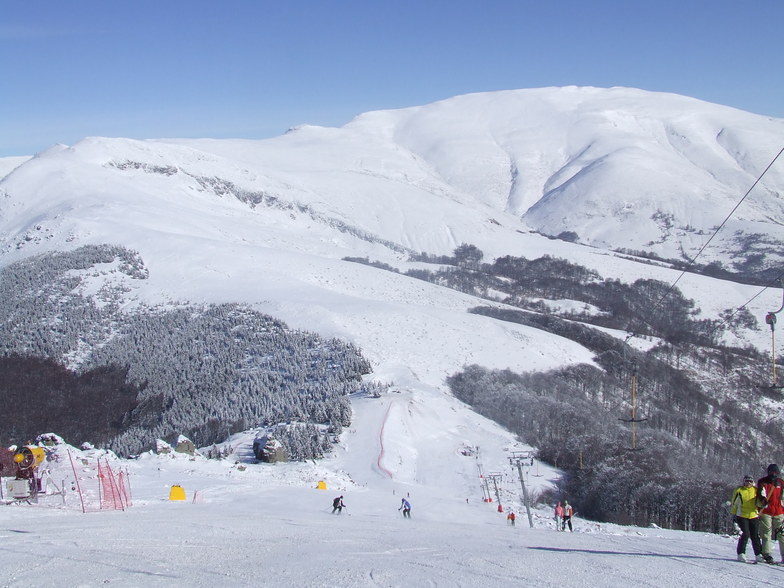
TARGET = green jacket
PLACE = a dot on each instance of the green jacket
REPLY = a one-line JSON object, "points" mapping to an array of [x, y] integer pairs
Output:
{"points": [[744, 502]]}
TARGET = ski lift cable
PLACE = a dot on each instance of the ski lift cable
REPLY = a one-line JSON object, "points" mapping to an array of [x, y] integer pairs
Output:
{"points": [[691, 263], [771, 284], [715, 232], [724, 222]]}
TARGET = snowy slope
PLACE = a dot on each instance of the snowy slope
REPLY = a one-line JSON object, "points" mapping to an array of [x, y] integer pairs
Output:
{"points": [[245, 524], [268, 223], [593, 160], [9, 164]]}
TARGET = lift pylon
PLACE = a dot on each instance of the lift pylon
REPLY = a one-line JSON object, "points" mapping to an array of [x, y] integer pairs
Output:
{"points": [[634, 418], [770, 318], [520, 459]]}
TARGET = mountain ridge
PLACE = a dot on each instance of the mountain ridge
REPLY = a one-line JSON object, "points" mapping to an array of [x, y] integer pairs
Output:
{"points": [[586, 161]]}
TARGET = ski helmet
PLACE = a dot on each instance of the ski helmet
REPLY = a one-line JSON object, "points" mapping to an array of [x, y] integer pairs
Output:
{"points": [[747, 479], [773, 469]]}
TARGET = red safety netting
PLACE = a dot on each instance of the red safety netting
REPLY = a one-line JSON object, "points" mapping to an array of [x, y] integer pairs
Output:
{"points": [[99, 486], [114, 491]]}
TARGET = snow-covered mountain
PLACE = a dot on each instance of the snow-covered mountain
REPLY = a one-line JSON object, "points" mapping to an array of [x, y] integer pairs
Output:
{"points": [[590, 161], [269, 223]]}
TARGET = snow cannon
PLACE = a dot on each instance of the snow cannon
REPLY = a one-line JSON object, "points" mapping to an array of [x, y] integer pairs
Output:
{"points": [[26, 485], [27, 461]]}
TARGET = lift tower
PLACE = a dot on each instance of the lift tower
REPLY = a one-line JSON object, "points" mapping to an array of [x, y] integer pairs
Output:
{"points": [[520, 459]]}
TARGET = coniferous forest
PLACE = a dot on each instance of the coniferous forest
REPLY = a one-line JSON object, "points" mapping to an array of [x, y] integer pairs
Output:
{"points": [[77, 365]]}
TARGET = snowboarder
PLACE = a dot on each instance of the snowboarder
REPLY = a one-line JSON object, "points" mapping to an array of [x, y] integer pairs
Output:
{"points": [[771, 515], [568, 511], [405, 506], [744, 511], [511, 518], [558, 515], [337, 505]]}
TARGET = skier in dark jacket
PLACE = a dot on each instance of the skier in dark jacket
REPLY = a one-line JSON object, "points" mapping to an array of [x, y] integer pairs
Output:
{"points": [[405, 506], [568, 511], [337, 505]]}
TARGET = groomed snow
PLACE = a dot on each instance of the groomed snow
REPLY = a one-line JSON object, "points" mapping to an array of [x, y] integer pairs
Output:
{"points": [[247, 524]]}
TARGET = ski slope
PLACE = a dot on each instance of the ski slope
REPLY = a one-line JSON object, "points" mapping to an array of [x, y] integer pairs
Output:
{"points": [[246, 524], [269, 223]]}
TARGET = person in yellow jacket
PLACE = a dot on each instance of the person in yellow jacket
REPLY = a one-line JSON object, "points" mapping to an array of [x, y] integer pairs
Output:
{"points": [[744, 510]]}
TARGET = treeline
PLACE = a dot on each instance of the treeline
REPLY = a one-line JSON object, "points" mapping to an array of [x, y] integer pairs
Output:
{"points": [[570, 417], [40, 395], [225, 188], [750, 266], [710, 402], [204, 372], [644, 307], [523, 283], [700, 400]]}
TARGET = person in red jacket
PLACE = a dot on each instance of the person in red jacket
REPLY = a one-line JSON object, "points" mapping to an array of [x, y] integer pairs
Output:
{"points": [[769, 500]]}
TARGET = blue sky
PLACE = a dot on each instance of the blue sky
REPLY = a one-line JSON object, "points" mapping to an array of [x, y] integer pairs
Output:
{"points": [[242, 68]]}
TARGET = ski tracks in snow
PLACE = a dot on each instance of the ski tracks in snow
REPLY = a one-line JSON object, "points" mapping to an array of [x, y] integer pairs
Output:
{"points": [[381, 443]]}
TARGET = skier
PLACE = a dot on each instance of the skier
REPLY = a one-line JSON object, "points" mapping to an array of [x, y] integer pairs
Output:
{"points": [[511, 518], [771, 516], [405, 506], [744, 510], [558, 515], [568, 511], [337, 505]]}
